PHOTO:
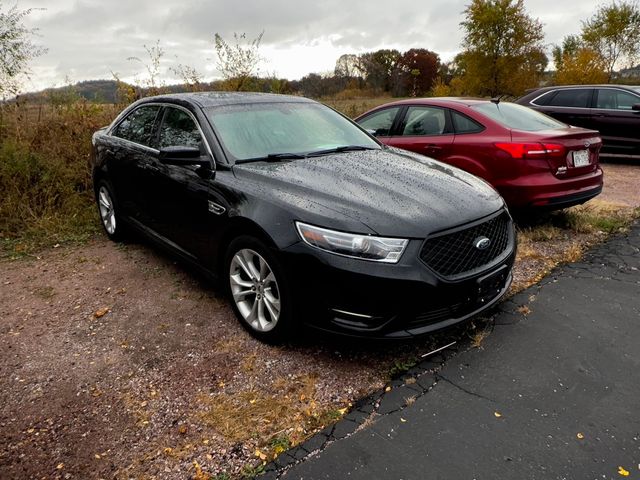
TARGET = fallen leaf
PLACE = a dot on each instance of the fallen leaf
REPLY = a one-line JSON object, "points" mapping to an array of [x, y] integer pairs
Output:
{"points": [[580, 436], [342, 411], [524, 310], [60, 466], [252, 401], [182, 429], [387, 389], [101, 312], [497, 414], [623, 472], [97, 456], [168, 451], [260, 455], [403, 420]]}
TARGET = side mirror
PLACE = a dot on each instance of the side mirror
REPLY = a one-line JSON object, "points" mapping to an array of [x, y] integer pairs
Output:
{"points": [[182, 156], [636, 107]]}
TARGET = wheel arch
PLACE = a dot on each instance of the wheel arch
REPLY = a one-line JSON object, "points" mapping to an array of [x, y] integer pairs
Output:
{"points": [[239, 226]]}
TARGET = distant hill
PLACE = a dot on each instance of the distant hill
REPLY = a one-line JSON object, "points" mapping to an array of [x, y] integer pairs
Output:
{"points": [[106, 91], [98, 91], [630, 73]]}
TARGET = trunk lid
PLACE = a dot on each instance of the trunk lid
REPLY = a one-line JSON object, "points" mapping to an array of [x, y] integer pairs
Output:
{"points": [[569, 151]]}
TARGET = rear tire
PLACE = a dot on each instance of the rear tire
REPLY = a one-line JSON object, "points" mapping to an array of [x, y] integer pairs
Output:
{"points": [[109, 212], [258, 289]]}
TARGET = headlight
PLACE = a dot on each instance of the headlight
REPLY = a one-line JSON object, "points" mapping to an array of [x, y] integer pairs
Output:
{"points": [[378, 249]]}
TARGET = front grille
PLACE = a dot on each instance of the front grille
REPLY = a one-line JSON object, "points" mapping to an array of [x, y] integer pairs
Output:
{"points": [[455, 254]]}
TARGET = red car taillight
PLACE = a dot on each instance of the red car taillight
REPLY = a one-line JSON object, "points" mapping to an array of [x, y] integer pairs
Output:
{"points": [[532, 150]]}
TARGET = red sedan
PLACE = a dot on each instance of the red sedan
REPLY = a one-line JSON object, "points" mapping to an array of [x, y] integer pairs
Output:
{"points": [[530, 158]]}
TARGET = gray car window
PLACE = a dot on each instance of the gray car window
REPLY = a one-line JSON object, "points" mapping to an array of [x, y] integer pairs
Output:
{"points": [[424, 121], [463, 124], [616, 99], [179, 130], [381, 121], [576, 98], [137, 127]]}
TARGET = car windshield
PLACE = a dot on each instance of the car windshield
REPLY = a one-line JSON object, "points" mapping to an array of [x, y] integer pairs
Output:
{"points": [[284, 130], [517, 117]]}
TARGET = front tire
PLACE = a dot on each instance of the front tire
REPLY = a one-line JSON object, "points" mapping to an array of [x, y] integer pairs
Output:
{"points": [[258, 289], [109, 211]]}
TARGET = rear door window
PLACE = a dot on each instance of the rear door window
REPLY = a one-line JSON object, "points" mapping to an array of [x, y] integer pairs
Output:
{"points": [[424, 121], [612, 99], [574, 98], [138, 126]]}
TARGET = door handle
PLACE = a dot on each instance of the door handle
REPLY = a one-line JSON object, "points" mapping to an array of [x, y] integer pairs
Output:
{"points": [[432, 146]]}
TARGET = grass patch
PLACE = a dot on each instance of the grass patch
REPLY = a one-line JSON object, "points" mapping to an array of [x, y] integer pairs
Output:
{"points": [[562, 237], [273, 418]]}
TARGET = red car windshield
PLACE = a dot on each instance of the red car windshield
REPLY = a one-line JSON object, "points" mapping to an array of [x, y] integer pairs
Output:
{"points": [[517, 117]]}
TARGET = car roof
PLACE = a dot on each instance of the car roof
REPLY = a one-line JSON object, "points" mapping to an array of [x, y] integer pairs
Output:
{"points": [[601, 85], [215, 99], [439, 101]]}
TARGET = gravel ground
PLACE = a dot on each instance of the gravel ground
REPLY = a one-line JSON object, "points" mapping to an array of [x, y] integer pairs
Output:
{"points": [[116, 362]]}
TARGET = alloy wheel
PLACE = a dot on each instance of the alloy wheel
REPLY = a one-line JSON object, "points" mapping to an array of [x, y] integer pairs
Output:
{"points": [[107, 210], [255, 290]]}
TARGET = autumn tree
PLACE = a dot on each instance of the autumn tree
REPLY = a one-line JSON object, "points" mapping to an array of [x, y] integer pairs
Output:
{"points": [[380, 68], [614, 32], [17, 49], [238, 62], [418, 71], [503, 51], [577, 63]]}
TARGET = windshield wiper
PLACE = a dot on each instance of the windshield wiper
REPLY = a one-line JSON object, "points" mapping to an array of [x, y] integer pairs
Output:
{"points": [[343, 148], [274, 157]]}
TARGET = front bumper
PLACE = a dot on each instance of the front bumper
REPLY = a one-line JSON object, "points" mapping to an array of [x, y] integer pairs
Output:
{"points": [[369, 299]]}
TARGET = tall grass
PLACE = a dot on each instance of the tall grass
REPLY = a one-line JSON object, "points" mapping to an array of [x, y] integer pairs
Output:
{"points": [[45, 184]]}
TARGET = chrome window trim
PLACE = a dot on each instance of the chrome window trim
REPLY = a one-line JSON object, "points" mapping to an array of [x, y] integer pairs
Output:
{"points": [[637, 94], [161, 105], [532, 102]]}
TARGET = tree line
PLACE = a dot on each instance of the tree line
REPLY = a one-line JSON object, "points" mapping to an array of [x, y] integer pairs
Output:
{"points": [[502, 53]]}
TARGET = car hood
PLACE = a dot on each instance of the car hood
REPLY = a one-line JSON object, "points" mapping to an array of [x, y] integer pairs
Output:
{"points": [[392, 192]]}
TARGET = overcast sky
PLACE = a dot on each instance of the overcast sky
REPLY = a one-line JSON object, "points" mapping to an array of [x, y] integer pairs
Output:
{"points": [[89, 39]]}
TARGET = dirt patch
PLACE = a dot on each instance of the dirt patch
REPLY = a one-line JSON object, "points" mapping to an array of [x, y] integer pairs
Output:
{"points": [[116, 362]]}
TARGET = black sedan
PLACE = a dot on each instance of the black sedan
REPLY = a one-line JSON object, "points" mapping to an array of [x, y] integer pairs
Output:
{"points": [[613, 110], [302, 216]]}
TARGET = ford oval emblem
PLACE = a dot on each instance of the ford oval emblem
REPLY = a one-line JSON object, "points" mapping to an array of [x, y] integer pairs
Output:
{"points": [[482, 243]]}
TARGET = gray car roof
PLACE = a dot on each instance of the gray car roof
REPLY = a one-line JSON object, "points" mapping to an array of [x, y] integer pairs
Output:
{"points": [[214, 99]]}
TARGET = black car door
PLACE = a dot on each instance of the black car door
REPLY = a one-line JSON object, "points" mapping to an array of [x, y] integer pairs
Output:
{"points": [[182, 211], [131, 159], [616, 120]]}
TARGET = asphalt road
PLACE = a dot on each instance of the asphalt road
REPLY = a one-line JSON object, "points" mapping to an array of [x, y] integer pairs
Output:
{"points": [[553, 393]]}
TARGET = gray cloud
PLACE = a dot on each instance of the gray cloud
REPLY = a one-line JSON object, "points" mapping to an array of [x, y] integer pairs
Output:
{"points": [[90, 38]]}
